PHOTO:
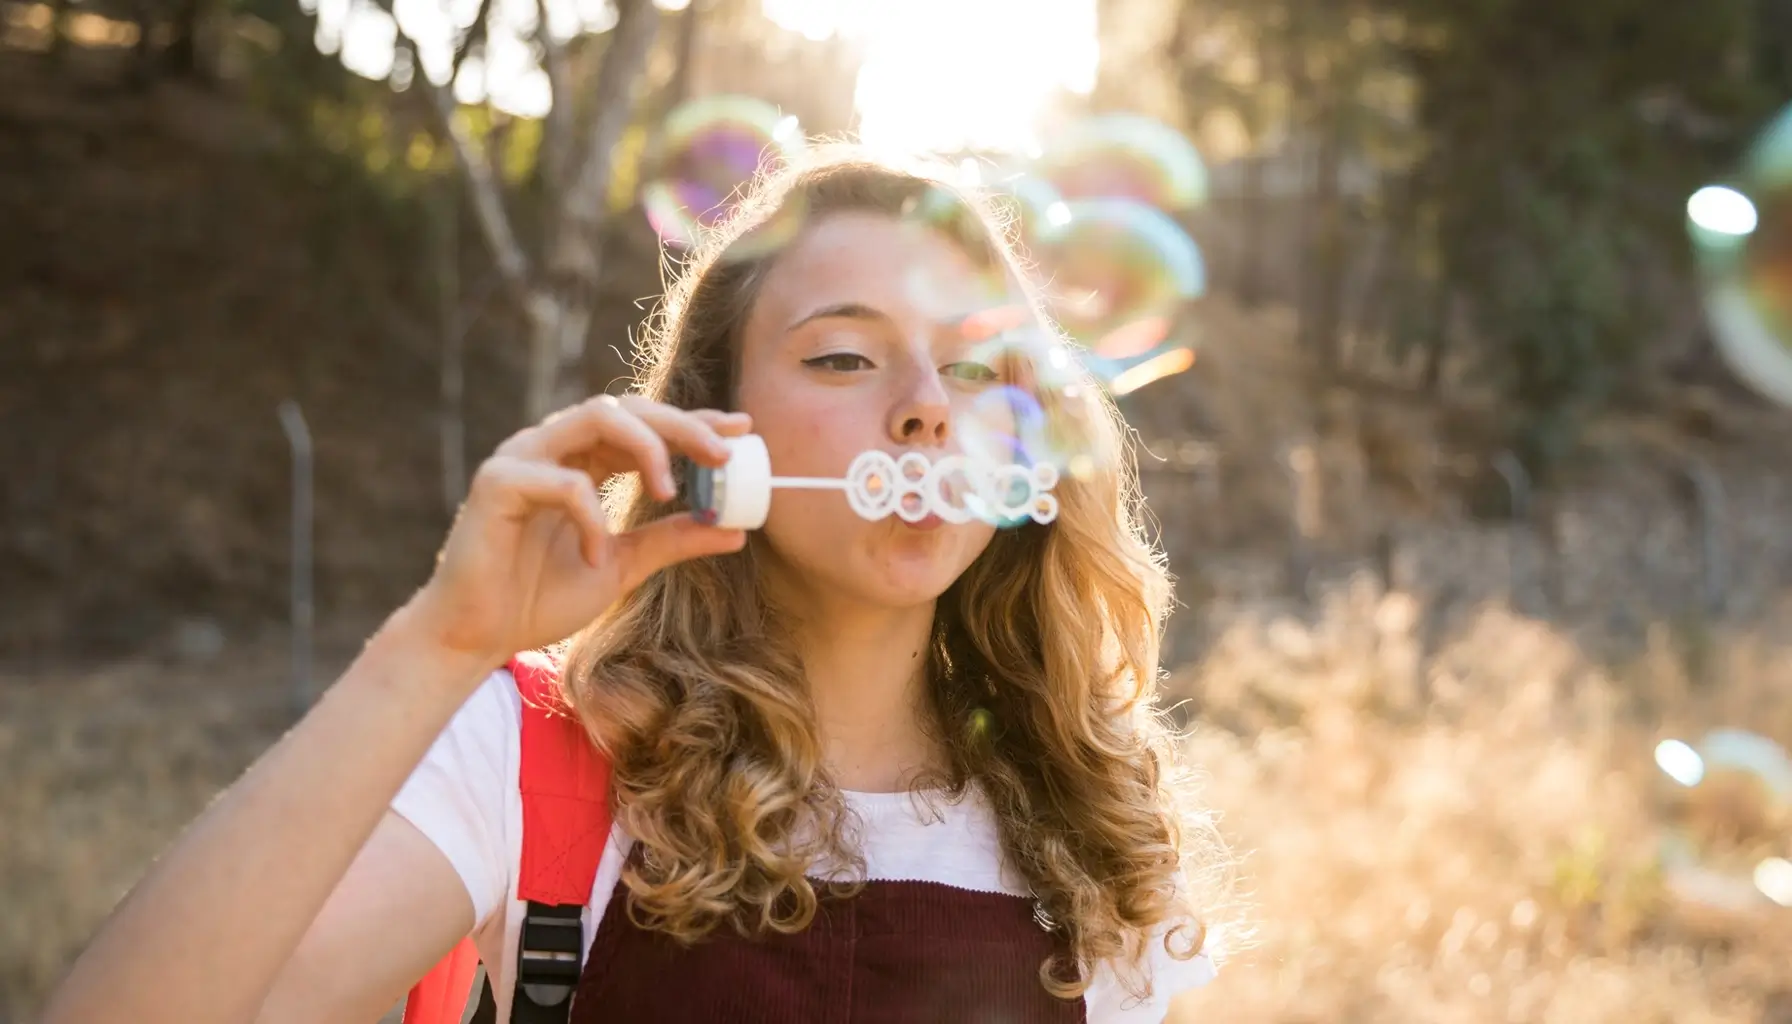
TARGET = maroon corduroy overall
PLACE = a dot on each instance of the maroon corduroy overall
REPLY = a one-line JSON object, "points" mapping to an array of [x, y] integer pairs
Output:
{"points": [[895, 951]]}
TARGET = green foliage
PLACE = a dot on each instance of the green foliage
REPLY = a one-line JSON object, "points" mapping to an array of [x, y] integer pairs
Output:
{"points": [[1535, 159], [1557, 186]]}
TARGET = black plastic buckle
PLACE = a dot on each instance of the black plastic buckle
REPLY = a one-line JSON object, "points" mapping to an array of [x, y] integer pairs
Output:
{"points": [[548, 963]]}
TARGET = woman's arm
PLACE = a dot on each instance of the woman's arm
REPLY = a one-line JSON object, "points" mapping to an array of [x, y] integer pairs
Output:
{"points": [[399, 910], [218, 922], [206, 933]]}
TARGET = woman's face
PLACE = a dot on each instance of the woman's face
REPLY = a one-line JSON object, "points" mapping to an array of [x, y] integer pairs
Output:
{"points": [[854, 344]]}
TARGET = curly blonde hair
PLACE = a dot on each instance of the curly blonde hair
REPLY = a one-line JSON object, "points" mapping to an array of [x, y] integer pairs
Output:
{"points": [[1042, 667]]}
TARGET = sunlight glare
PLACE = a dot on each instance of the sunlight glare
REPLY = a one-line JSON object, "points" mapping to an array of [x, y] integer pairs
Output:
{"points": [[1724, 211], [1678, 761], [949, 75], [936, 76]]}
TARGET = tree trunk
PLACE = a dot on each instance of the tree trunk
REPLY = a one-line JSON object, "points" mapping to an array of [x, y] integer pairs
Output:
{"points": [[452, 415], [1253, 218], [1437, 346], [558, 325], [561, 308], [1327, 265]]}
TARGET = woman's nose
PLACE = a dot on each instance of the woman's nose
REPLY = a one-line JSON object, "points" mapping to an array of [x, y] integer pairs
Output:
{"points": [[924, 414]]}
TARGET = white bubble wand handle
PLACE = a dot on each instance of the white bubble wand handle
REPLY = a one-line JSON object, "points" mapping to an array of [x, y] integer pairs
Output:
{"points": [[913, 487]]}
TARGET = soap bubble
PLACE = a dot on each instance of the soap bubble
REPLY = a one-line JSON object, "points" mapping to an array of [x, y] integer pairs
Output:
{"points": [[710, 151], [1730, 805], [1126, 156], [1742, 233], [1120, 275], [1039, 211], [1124, 376], [1036, 411]]}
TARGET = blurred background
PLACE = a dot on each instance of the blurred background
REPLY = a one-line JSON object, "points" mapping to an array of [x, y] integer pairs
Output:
{"points": [[1466, 430]]}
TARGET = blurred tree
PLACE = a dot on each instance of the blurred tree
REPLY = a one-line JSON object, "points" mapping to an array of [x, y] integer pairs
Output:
{"points": [[1553, 184], [554, 281], [1526, 162], [1307, 86]]}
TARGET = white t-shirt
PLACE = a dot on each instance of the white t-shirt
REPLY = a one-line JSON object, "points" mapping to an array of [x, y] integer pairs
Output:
{"points": [[465, 797]]}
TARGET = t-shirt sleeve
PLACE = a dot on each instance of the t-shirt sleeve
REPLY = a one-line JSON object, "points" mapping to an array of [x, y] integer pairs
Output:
{"points": [[1110, 1001], [457, 794]]}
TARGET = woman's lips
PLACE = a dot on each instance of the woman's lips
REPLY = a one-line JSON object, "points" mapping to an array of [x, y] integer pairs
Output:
{"points": [[932, 522]]}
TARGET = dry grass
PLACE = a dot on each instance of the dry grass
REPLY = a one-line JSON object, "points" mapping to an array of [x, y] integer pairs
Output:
{"points": [[1459, 829], [103, 767], [1469, 834]]}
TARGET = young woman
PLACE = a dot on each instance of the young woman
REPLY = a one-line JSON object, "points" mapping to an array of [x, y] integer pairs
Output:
{"points": [[953, 720]]}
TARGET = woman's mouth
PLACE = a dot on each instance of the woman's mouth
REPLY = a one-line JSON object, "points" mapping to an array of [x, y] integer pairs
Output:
{"points": [[932, 522]]}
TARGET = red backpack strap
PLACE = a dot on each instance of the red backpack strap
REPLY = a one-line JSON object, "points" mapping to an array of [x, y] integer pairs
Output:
{"points": [[565, 786], [566, 790]]}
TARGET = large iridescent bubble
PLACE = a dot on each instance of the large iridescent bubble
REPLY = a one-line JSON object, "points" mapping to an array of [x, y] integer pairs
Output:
{"points": [[1729, 805], [1125, 156], [1119, 278], [1034, 405], [1742, 232], [711, 149]]}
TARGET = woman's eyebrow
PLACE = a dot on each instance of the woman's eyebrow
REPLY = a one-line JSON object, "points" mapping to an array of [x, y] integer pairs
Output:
{"points": [[841, 310]]}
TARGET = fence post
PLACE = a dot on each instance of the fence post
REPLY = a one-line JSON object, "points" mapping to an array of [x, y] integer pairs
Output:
{"points": [[1306, 514], [1708, 505], [298, 438], [1518, 490]]}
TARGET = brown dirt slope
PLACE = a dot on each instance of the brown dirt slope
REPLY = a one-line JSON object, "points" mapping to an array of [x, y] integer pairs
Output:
{"points": [[169, 274]]}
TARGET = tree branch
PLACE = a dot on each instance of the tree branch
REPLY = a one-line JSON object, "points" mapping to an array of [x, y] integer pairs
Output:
{"points": [[483, 186], [476, 33], [584, 206], [557, 132]]}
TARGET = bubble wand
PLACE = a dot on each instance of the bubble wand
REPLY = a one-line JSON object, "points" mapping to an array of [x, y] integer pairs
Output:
{"points": [[955, 488]]}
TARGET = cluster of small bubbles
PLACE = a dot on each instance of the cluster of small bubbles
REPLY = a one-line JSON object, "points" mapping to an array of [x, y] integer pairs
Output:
{"points": [[1742, 233], [1730, 805], [1095, 211], [710, 150]]}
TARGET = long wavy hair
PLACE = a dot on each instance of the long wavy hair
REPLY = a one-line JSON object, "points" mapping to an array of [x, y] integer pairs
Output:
{"points": [[1042, 668]]}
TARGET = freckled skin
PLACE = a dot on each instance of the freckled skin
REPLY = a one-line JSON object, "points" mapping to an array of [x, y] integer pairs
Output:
{"points": [[891, 374]]}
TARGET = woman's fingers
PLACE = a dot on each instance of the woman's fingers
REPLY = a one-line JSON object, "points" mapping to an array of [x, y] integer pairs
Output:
{"points": [[522, 485], [643, 429], [727, 424], [643, 551], [694, 433], [600, 422]]}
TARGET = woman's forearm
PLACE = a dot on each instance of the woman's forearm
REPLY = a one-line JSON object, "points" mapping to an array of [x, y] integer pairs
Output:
{"points": [[205, 933]]}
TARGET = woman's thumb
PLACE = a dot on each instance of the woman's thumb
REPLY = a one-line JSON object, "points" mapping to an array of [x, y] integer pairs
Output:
{"points": [[677, 538]]}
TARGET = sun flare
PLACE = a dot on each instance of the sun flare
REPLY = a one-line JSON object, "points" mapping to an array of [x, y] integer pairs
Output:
{"points": [[935, 75]]}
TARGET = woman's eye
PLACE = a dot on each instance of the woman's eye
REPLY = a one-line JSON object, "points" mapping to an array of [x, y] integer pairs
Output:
{"points": [[840, 362], [975, 372]]}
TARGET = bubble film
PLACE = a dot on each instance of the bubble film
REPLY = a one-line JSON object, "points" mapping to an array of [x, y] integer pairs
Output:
{"points": [[1742, 233], [710, 150], [1729, 802], [1037, 208], [1032, 419], [1119, 277], [1126, 156]]}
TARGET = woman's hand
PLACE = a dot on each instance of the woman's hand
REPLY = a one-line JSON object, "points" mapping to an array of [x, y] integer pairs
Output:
{"points": [[531, 557]]}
